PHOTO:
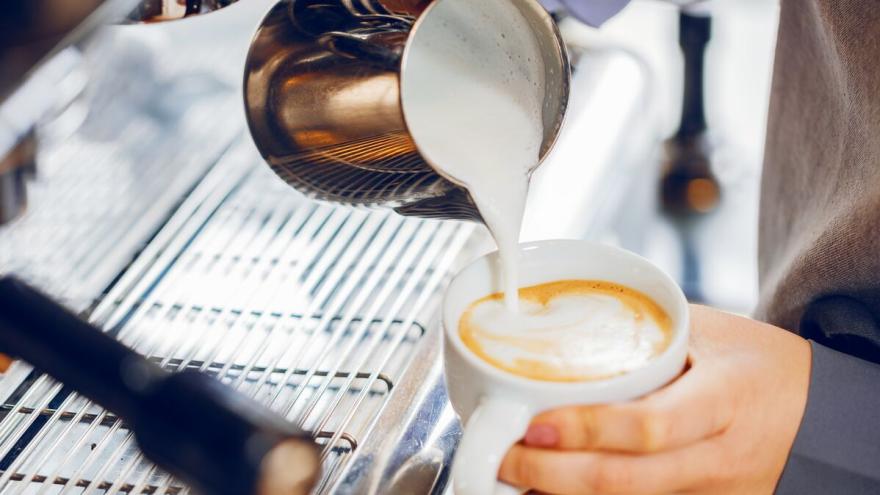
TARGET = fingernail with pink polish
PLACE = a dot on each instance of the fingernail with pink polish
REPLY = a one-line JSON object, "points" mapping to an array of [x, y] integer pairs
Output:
{"points": [[541, 436]]}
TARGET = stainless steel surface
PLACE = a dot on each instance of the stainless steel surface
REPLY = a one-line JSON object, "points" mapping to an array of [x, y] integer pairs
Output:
{"points": [[113, 166], [35, 40], [15, 168], [421, 434], [48, 90], [314, 310], [322, 97]]}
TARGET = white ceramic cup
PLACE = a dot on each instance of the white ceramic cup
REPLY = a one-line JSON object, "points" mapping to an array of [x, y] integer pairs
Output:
{"points": [[496, 406]]}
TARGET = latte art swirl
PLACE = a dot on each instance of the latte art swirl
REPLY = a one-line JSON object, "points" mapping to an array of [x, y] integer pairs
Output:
{"points": [[570, 330]]}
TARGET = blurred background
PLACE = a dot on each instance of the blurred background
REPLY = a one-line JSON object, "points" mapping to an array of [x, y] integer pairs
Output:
{"points": [[738, 65]]}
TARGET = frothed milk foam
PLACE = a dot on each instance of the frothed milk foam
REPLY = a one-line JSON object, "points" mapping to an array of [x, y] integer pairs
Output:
{"points": [[472, 94], [569, 330]]}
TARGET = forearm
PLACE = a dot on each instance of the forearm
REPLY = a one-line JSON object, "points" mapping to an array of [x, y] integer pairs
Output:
{"points": [[837, 449]]}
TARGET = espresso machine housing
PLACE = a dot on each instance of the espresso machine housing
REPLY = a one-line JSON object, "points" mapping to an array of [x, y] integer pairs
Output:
{"points": [[132, 193], [29, 33]]}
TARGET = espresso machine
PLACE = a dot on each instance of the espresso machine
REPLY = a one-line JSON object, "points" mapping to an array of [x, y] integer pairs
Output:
{"points": [[137, 208]]}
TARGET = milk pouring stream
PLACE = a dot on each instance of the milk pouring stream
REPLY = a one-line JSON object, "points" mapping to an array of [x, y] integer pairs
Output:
{"points": [[472, 97]]}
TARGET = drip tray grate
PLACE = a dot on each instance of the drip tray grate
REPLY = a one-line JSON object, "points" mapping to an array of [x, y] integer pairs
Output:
{"points": [[314, 310]]}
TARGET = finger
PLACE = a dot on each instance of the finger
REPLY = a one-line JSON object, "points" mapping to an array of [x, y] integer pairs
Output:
{"points": [[694, 407], [567, 472]]}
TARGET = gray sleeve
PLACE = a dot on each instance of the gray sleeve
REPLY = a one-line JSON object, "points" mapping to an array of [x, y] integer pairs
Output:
{"points": [[837, 450], [592, 12]]}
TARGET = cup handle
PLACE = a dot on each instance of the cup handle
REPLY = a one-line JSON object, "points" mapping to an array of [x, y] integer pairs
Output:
{"points": [[492, 429]]}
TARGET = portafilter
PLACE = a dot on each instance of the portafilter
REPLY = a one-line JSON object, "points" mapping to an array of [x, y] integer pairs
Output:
{"points": [[203, 432], [322, 91]]}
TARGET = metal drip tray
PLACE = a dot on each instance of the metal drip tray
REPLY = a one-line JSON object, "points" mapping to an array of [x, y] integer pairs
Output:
{"points": [[314, 310]]}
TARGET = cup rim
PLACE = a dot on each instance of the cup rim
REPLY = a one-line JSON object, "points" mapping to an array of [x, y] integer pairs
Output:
{"points": [[676, 349]]}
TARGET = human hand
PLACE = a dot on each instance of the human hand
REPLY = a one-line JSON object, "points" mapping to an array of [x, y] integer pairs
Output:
{"points": [[725, 426]]}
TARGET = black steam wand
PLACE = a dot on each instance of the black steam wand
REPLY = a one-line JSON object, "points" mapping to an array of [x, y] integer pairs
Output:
{"points": [[198, 429]]}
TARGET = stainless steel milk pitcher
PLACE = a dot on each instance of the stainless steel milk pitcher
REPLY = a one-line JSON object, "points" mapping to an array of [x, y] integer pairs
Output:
{"points": [[322, 97]]}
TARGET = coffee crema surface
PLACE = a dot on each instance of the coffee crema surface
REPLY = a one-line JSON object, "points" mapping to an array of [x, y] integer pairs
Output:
{"points": [[568, 330]]}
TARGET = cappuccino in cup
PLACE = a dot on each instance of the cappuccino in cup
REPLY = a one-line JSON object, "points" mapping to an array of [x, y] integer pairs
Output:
{"points": [[596, 325], [568, 331]]}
